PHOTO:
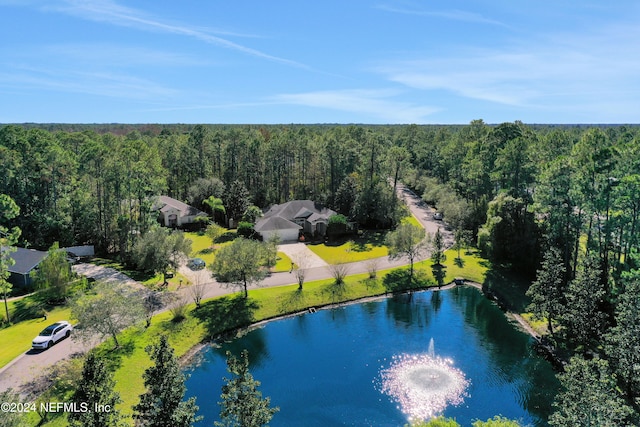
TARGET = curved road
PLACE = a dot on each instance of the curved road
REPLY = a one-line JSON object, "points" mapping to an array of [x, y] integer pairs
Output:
{"points": [[20, 373]]}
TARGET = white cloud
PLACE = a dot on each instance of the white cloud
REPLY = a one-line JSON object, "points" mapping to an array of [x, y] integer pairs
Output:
{"points": [[105, 55], [559, 71], [110, 12], [451, 14], [376, 103], [110, 84]]}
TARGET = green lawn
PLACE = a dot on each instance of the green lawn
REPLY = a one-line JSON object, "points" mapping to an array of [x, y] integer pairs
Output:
{"points": [[228, 313], [471, 267], [369, 245], [411, 220], [156, 282], [16, 339], [366, 246], [283, 263], [201, 246]]}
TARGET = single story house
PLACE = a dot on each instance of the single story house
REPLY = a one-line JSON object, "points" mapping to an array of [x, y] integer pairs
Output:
{"points": [[174, 213], [289, 219], [26, 260]]}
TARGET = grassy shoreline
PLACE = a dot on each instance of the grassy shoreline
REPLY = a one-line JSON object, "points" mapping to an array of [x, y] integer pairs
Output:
{"points": [[230, 314]]}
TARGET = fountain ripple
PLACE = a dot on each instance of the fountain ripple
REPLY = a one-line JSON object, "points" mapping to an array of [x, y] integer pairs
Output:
{"points": [[423, 385]]}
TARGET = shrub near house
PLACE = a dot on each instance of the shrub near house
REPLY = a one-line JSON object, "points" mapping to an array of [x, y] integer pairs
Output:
{"points": [[338, 225]]}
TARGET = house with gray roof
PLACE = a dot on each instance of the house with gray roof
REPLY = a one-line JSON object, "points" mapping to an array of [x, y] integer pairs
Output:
{"points": [[174, 213], [292, 218], [26, 260]]}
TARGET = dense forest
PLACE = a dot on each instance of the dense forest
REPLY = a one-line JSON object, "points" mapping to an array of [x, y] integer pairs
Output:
{"points": [[557, 204]]}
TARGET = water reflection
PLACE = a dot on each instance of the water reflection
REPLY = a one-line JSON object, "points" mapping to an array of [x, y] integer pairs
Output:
{"points": [[407, 312], [254, 341], [423, 385], [325, 368], [436, 300]]}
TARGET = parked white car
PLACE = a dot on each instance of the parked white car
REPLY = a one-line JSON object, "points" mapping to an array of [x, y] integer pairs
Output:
{"points": [[51, 335]]}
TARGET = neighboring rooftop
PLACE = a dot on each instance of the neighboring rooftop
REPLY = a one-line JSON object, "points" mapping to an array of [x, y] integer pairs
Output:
{"points": [[165, 203], [25, 260]]}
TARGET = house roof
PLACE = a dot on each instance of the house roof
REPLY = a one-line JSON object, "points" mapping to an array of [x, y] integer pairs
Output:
{"points": [[298, 209], [303, 213], [317, 217], [275, 223], [165, 203], [25, 260], [281, 217]]}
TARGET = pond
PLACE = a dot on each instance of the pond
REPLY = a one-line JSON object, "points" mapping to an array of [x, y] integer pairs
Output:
{"points": [[385, 362]]}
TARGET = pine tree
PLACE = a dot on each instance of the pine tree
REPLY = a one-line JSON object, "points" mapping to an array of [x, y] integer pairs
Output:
{"points": [[236, 200], [582, 318], [590, 397], [96, 390], [8, 238], [242, 404], [437, 248], [162, 405], [623, 339], [547, 292]]}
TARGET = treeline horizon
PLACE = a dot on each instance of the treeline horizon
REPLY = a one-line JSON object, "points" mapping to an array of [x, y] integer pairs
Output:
{"points": [[122, 128]]}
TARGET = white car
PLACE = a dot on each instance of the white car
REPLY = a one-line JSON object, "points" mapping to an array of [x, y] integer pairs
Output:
{"points": [[51, 335]]}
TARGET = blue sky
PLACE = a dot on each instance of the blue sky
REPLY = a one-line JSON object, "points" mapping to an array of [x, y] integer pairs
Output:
{"points": [[355, 61]]}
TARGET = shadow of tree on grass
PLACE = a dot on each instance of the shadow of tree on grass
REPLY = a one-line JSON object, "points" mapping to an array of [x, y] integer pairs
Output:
{"points": [[371, 282], [291, 302], [28, 308], [398, 280], [337, 292], [113, 357], [224, 314]]}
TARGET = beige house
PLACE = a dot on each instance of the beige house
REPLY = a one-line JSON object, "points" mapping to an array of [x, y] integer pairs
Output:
{"points": [[174, 213]]}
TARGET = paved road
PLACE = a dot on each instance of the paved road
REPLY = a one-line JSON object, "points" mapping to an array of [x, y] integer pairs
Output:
{"points": [[23, 369], [20, 372]]}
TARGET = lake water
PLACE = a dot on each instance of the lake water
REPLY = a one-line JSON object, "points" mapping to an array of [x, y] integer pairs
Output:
{"points": [[380, 363]]}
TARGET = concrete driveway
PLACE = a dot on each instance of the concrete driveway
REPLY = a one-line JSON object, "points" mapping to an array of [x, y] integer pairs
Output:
{"points": [[300, 253], [106, 274]]}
